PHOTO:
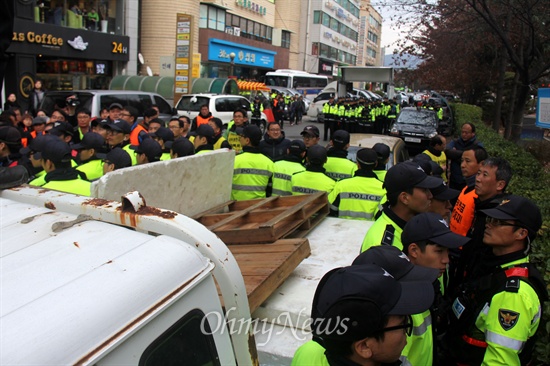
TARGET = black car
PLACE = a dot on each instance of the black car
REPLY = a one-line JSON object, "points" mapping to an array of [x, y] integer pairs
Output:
{"points": [[416, 126]]}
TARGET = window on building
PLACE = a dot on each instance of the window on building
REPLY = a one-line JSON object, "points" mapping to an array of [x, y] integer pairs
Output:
{"points": [[324, 50], [213, 18], [315, 49], [203, 16], [373, 37], [269, 33], [334, 25], [317, 17], [285, 39], [326, 20]]}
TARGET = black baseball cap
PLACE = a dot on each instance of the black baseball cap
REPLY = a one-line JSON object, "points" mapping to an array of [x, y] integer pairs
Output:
{"points": [[297, 147], [119, 157], [444, 193], [163, 133], [366, 156], [317, 155], [252, 132], [396, 263], [205, 130], [115, 105], [340, 138], [520, 209], [62, 128], [382, 150], [431, 227], [407, 175], [10, 135], [90, 140], [310, 130], [182, 147], [364, 295], [55, 150], [119, 125], [37, 144], [150, 148]]}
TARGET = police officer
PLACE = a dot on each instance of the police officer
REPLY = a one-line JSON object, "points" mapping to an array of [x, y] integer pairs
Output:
{"points": [[284, 169], [358, 197], [383, 152], [408, 193], [426, 242], [313, 179], [338, 166], [495, 317], [396, 263], [89, 163], [60, 175], [253, 173]]}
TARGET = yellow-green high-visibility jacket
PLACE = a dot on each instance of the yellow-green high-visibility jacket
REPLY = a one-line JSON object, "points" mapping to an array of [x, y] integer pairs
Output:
{"points": [[334, 109], [308, 182], [386, 230], [440, 114], [310, 354], [282, 176], [38, 180], [339, 167], [75, 186], [233, 138], [341, 110], [358, 197], [132, 154], [506, 322], [326, 108], [420, 344], [440, 160], [251, 176], [381, 174], [92, 168]]}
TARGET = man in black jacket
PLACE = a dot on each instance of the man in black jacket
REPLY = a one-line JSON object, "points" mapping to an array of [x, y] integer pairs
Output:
{"points": [[274, 145]]}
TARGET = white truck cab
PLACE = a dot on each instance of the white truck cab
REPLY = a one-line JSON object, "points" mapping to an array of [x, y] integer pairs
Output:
{"points": [[88, 281]]}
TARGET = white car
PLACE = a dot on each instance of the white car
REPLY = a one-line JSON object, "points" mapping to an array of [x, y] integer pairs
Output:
{"points": [[221, 106]]}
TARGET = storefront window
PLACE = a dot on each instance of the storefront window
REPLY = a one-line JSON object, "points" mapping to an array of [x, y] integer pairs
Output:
{"points": [[95, 15], [62, 74]]}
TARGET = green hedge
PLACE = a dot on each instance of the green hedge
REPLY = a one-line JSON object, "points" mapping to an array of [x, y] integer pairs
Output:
{"points": [[529, 180]]}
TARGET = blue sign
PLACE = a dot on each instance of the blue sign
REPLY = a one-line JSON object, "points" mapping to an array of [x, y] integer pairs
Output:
{"points": [[245, 55], [543, 108]]}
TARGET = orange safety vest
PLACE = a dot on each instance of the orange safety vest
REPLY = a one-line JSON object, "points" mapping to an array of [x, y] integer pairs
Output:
{"points": [[134, 135], [201, 120], [463, 212]]}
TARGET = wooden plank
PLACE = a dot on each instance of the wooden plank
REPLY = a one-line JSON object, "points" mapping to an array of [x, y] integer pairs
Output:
{"points": [[240, 213], [295, 208], [214, 210], [260, 289]]}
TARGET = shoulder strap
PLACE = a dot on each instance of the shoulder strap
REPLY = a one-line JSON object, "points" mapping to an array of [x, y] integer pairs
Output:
{"points": [[389, 234]]}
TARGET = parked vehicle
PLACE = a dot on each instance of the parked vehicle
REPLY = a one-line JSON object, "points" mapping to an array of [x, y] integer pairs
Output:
{"points": [[96, 100], [220, 105], [398, 149], [416, 126]]}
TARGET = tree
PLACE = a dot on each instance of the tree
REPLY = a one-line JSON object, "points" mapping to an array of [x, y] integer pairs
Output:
{"points": [[519, 28]]}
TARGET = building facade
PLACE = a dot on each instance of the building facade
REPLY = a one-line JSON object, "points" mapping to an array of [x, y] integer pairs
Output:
{"points": [[68, 45], [369, 52], [243, 29]]}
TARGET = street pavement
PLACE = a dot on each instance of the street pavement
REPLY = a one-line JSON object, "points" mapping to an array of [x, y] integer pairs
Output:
{"points": [[293, 132]]}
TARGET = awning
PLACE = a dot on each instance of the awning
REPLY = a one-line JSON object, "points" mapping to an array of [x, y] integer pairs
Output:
{"points": [[251, 85]]}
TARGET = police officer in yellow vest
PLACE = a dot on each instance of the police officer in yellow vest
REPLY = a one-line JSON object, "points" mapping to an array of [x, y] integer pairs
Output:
{"points": [[164, 137], [253, 173], [219, 141], [284, 169], [313, 179], [436, 152], [88, 162], [396, 263], [408, 193], [60, 175], [204, 139], [383, 153], [494, 318], [358, 197], [338, 166], [426, 241]]}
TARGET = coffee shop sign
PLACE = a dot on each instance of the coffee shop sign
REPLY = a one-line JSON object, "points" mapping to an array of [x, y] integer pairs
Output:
{"points": [[249, 5]]}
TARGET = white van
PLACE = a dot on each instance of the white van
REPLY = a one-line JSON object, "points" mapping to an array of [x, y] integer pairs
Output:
{"points": [[96, 100]]}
